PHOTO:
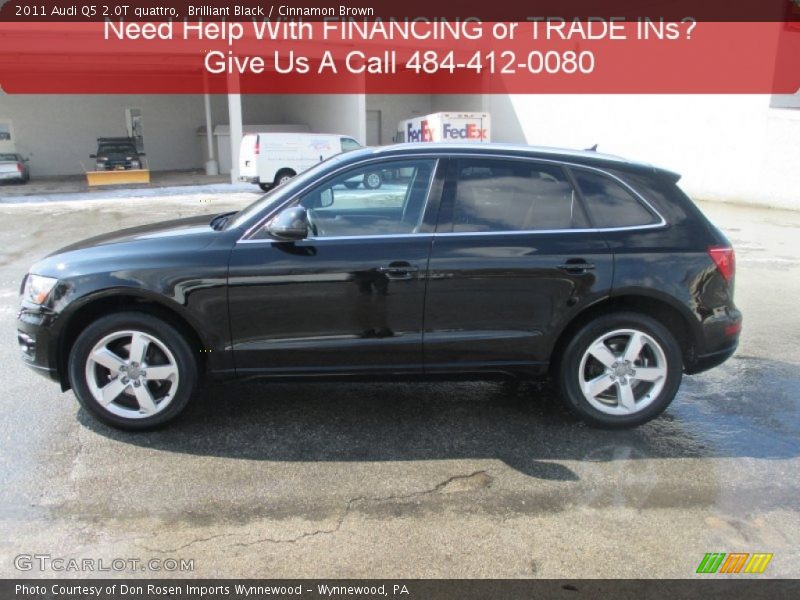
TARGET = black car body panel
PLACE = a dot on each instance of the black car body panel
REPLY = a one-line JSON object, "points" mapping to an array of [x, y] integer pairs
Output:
{"points": [[430, 302], [179, 265], [498, 301]]}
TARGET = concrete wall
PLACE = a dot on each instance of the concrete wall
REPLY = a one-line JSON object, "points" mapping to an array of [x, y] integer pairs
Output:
{"points": [[731, 148], [60, 132], [327, 113]]}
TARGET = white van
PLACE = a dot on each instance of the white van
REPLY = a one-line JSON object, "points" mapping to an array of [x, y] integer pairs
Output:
{"points": [[270, 159]]}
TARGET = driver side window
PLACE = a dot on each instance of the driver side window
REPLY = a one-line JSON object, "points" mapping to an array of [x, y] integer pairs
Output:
{"points": [[377, 199]]}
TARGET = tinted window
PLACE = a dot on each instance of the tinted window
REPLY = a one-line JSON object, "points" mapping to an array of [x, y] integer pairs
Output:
{"points": [[611, 204], [509, 195], [388, 198]]}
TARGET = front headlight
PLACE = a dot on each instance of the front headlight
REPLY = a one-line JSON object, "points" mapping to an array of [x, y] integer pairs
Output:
{"points": [[37, 288]]}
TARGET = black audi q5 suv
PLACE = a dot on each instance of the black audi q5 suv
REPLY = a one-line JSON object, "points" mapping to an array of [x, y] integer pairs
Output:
{"points": [[469, 261]]}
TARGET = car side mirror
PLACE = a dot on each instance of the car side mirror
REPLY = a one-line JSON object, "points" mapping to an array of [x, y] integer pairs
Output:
{"points": [[290, 224], [326, 198], [93, 156]]}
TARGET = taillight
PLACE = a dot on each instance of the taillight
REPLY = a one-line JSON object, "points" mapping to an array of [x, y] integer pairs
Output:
{"points": [[258, 146], [725, 260], [20, 168]]}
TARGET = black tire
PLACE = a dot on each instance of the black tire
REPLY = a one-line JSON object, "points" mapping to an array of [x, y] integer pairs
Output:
{"points": [[568, 370], [351, 185], [265, 187], [373, 180], [165, 334], [282, 177]]}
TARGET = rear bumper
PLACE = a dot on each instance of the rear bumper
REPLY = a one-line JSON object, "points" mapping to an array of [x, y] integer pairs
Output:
{"points": [[248, 179], [704, 362], [720, 340]]}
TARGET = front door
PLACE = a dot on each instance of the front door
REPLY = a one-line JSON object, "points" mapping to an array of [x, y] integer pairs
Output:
{"points": [[350, 297], [513, 257]]}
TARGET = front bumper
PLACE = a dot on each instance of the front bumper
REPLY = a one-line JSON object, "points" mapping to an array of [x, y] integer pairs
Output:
{"points": [[37, 342]]}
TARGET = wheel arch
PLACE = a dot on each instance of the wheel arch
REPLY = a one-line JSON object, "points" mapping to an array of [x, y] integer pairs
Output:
{"points": [[677, 321], [112, 301], [282, 171]]}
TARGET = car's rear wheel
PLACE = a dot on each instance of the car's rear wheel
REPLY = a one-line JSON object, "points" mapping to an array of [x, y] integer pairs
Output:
{"points": [[265, 187], [283, 177], [620, 370], [132, 370], [373, 180]]}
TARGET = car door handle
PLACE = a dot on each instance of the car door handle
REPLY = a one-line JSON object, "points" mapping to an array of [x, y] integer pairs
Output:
{"points": [[398, 270], [576, 266]]}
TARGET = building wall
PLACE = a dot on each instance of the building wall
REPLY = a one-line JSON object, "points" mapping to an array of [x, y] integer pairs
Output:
{"points": [[727, 147], [60, 132], [732, 148], [327, 113], [398, 107]]}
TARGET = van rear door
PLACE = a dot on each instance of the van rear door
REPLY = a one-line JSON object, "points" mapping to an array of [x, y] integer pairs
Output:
{"points": [[248, 158]]}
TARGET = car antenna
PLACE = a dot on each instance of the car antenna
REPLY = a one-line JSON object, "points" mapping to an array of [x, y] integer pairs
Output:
{"points": [[592, 149]]}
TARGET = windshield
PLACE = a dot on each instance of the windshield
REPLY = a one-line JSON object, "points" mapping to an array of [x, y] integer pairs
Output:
{"points": [[8, 157], [277, 194]]}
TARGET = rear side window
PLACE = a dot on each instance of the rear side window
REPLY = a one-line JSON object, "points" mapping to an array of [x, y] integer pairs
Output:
{"points": [[611, 204], [509, 195]]}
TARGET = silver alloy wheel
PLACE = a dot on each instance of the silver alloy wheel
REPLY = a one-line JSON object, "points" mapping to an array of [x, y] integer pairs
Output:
{"points": [[373, 181], [283, 179], [622, 372], [132, 374]]}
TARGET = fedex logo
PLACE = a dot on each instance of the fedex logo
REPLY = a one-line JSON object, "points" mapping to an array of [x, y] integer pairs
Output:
{"points": [[470, 132], [424, 133]]}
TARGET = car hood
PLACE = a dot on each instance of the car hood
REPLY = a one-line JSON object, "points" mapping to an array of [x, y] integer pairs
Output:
{"points": [[179, 228]]}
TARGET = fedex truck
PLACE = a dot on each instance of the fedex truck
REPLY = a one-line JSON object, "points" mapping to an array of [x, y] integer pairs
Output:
{"points": [[445, 127]]}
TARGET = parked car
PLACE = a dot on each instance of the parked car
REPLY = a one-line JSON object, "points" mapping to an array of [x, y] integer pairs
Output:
{"points": [[272, 159], [117, 154], [14, 168], [479, 261]]}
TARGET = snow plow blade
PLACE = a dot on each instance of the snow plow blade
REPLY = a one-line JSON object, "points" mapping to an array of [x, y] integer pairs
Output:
{"points": [[118, 177]]}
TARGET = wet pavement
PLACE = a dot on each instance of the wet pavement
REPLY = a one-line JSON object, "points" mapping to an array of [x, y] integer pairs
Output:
{"points": [[410, 479], [55, 186]]}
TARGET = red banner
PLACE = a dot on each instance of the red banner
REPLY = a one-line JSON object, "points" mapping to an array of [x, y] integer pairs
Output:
{"points": [[435, 56]]}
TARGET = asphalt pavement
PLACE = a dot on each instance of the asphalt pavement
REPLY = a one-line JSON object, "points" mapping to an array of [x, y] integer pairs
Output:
{"points": [[407, 479]]}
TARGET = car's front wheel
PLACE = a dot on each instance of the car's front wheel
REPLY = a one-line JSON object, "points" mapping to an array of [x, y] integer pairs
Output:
{"points": [[620, 370], [132, 370]]}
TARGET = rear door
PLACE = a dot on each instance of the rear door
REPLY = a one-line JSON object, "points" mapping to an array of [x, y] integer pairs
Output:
{"points": [[248, 160], [513, 259]]}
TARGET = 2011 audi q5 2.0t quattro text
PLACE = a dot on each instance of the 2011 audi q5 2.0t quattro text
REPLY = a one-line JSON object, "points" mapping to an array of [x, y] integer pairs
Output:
{"points": [[469, 260]]}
